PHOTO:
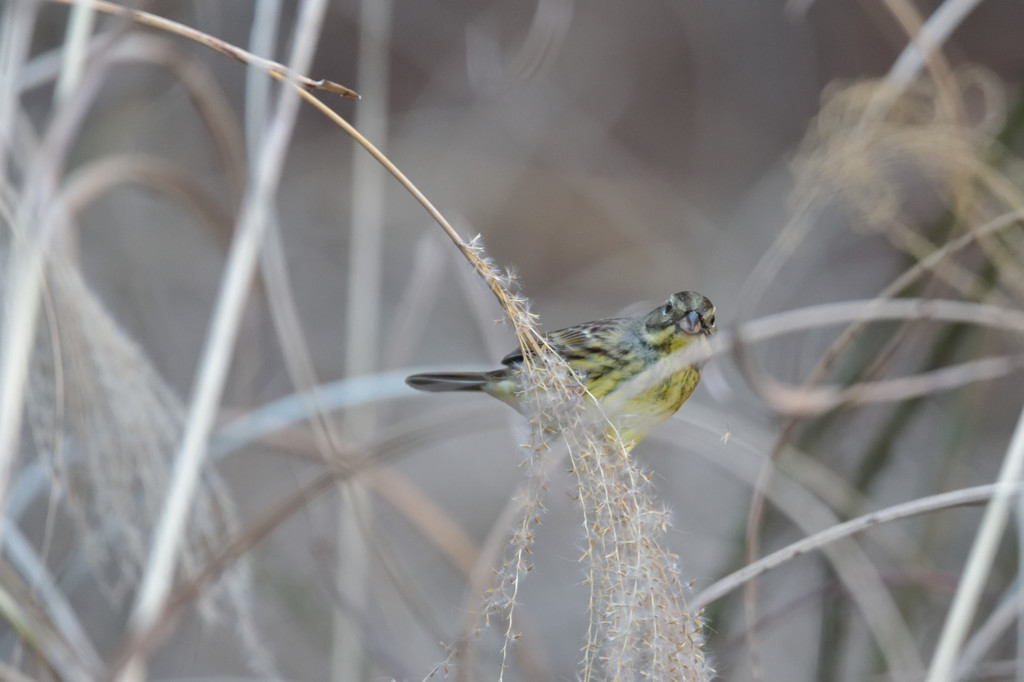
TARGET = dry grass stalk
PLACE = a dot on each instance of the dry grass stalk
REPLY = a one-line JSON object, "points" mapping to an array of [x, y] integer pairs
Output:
{"points": [[639, 622]]}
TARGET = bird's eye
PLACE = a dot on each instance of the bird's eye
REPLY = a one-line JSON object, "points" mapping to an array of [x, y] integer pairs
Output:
{"points": [[667, 310], [690, 323]]}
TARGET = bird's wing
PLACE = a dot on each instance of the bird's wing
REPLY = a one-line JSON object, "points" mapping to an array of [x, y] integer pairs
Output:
{"points": [[571, 340]]}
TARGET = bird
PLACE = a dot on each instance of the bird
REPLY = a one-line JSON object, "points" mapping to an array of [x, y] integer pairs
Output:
{"points": [[605, 355]]}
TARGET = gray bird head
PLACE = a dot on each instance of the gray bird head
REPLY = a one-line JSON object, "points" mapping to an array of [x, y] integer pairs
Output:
{"points": [[689, 311]]}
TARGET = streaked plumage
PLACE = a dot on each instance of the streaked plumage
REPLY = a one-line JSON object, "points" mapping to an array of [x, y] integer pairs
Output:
{"points": [[606, 354]]}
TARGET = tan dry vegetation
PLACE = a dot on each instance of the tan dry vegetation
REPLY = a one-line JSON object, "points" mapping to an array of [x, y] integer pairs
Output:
{"points": [[212, 292]]}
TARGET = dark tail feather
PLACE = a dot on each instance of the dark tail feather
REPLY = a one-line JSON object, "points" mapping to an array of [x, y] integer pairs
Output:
{"points": [[448, 381]]}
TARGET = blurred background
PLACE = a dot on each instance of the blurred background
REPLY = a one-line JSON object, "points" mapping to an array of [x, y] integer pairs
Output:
{"points": [[611, 154]]}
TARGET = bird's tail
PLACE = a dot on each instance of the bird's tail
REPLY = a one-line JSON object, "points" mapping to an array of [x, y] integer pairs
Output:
{"points": [[449, 381]]}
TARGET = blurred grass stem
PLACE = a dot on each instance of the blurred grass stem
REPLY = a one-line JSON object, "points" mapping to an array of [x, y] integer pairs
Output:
{"points": [[76, 47], [933, 33], [355, 510], [23, 274], [214, 364], [979, 563], [271, 68], [922, 505]]}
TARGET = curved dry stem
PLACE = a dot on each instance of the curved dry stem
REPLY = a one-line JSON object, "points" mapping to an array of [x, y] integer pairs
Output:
{"points": [[92, 180], [928, 264], [803, 401], [208, 98], [924, 505], [549, 382], [857, 572], [271, 68], [875, 309]]}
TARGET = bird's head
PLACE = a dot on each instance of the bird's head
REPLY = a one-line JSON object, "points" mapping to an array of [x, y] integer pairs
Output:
{"points": [[688, 312]]}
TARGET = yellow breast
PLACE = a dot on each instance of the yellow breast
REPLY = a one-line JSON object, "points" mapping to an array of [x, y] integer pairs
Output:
{"points": [[637, 396], [639, 415]]}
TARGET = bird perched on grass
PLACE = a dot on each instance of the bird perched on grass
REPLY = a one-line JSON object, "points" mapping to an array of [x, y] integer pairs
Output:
{"points": [[606, 355]]}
